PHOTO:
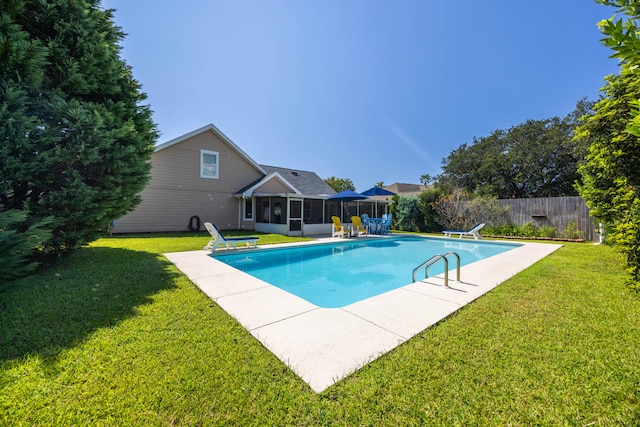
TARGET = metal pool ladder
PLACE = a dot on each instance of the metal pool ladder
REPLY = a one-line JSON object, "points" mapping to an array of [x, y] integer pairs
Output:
{"points": [[433, 260]]}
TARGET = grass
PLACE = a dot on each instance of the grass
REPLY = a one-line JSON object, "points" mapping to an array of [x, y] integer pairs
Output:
{"points": [[115, 335]]}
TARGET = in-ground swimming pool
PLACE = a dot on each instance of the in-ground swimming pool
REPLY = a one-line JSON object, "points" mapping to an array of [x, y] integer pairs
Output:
{"points": [[339, 274]]}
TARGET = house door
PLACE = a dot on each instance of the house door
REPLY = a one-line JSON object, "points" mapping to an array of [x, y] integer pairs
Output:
{"points": [[295, 217]]}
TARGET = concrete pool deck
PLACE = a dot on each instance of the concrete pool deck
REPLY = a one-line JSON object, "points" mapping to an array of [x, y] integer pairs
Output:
{"points": [[324, 345]]}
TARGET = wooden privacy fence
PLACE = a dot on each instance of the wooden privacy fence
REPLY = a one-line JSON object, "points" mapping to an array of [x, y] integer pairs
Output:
{"points": [[557, 212]]}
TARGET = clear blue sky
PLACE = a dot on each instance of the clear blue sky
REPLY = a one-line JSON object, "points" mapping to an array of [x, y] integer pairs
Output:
{"points": [[370, 90]]}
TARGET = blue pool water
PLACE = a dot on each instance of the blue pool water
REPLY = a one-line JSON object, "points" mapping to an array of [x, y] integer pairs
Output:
{"points": [[335, 275]]}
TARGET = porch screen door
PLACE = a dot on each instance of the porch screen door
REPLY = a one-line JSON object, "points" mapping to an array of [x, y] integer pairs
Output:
{"points": [[295, 217]]}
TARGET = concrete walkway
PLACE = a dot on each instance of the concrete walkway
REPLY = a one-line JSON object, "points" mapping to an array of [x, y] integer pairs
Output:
{"points": [[323, 345]]}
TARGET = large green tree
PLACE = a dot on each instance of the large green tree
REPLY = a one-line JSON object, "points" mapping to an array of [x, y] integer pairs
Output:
{"points": [[340, 184], [537, 158], [610, 173], [75, 138]]}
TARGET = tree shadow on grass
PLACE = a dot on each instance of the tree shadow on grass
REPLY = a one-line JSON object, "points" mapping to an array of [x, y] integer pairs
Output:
{"points": [[91, 289]]}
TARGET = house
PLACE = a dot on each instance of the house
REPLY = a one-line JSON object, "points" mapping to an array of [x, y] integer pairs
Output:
{"points": [[204, 174], [402, 189]]}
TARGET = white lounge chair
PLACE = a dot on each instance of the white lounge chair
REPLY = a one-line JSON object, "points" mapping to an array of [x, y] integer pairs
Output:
{"points": [[474, 232], [217, 239]]}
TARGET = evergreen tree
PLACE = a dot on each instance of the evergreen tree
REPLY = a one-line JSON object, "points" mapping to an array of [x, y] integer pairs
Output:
{"points": [[75, 139]]}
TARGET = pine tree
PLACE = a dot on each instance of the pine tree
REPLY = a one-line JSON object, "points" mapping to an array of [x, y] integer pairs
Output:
{"points": [[75, 138]]}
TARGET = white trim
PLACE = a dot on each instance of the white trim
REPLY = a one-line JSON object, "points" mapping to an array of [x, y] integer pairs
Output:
{"points": [[211, 128], [273, 175], [243, 201], [202, 169]]}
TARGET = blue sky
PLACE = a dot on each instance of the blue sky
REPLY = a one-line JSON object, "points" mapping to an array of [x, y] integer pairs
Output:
{"points": [[369, 90]]}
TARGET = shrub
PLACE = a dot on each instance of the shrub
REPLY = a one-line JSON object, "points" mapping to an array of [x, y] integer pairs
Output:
{"points": [[426, 201], [407, 213], [18, 242], [571, 232], [500, 230], [547, 231], [529, 230]]}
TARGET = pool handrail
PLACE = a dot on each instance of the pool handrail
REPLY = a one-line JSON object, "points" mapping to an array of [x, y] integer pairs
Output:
{"points": [[433, 260]]}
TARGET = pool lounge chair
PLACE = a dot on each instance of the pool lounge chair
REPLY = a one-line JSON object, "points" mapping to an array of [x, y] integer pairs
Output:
{"points": [[474, 232], [359, 229], [217, 239], [337, 229]]}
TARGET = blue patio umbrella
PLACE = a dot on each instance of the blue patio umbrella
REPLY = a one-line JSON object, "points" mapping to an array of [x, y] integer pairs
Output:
{"points": [[377, 191], [346, 196]]}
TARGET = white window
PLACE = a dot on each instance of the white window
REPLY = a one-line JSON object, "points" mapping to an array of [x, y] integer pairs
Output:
{"points": [[209, 164]]}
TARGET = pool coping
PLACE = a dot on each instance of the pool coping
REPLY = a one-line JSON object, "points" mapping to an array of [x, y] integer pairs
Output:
{"points": [[324, 345]]}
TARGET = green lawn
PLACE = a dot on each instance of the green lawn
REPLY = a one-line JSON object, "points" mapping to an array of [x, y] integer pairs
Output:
{"points": [[115, 335]]}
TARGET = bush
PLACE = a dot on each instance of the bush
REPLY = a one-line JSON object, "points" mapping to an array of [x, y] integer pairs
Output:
{"points": [[571, 232], [529, 230], [502, 230], [18, 243], [547, 231], [426, 201], [407, 214]]}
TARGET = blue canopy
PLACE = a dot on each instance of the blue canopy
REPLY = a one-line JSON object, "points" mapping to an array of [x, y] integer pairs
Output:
{"points": [[347, 196], [378, 191]]}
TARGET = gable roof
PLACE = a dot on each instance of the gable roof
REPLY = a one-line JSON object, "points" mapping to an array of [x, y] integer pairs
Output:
{"points": [[249, 189], [307, 183], [211, 128]]}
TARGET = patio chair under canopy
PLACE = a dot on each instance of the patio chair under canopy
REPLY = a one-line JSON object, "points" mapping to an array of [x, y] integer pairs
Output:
{"points": [[377, 193], [346, 196]]}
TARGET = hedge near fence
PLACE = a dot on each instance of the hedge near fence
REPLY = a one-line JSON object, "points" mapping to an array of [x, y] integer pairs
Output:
{"points": [[531, 231]]}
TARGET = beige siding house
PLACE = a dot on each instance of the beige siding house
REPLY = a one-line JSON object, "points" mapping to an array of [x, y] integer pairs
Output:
{"points": [[204, 174]]}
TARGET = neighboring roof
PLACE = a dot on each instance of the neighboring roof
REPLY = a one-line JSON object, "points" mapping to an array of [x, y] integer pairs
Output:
{"points": [[307, 183], [402, 189], [219, 134]]}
